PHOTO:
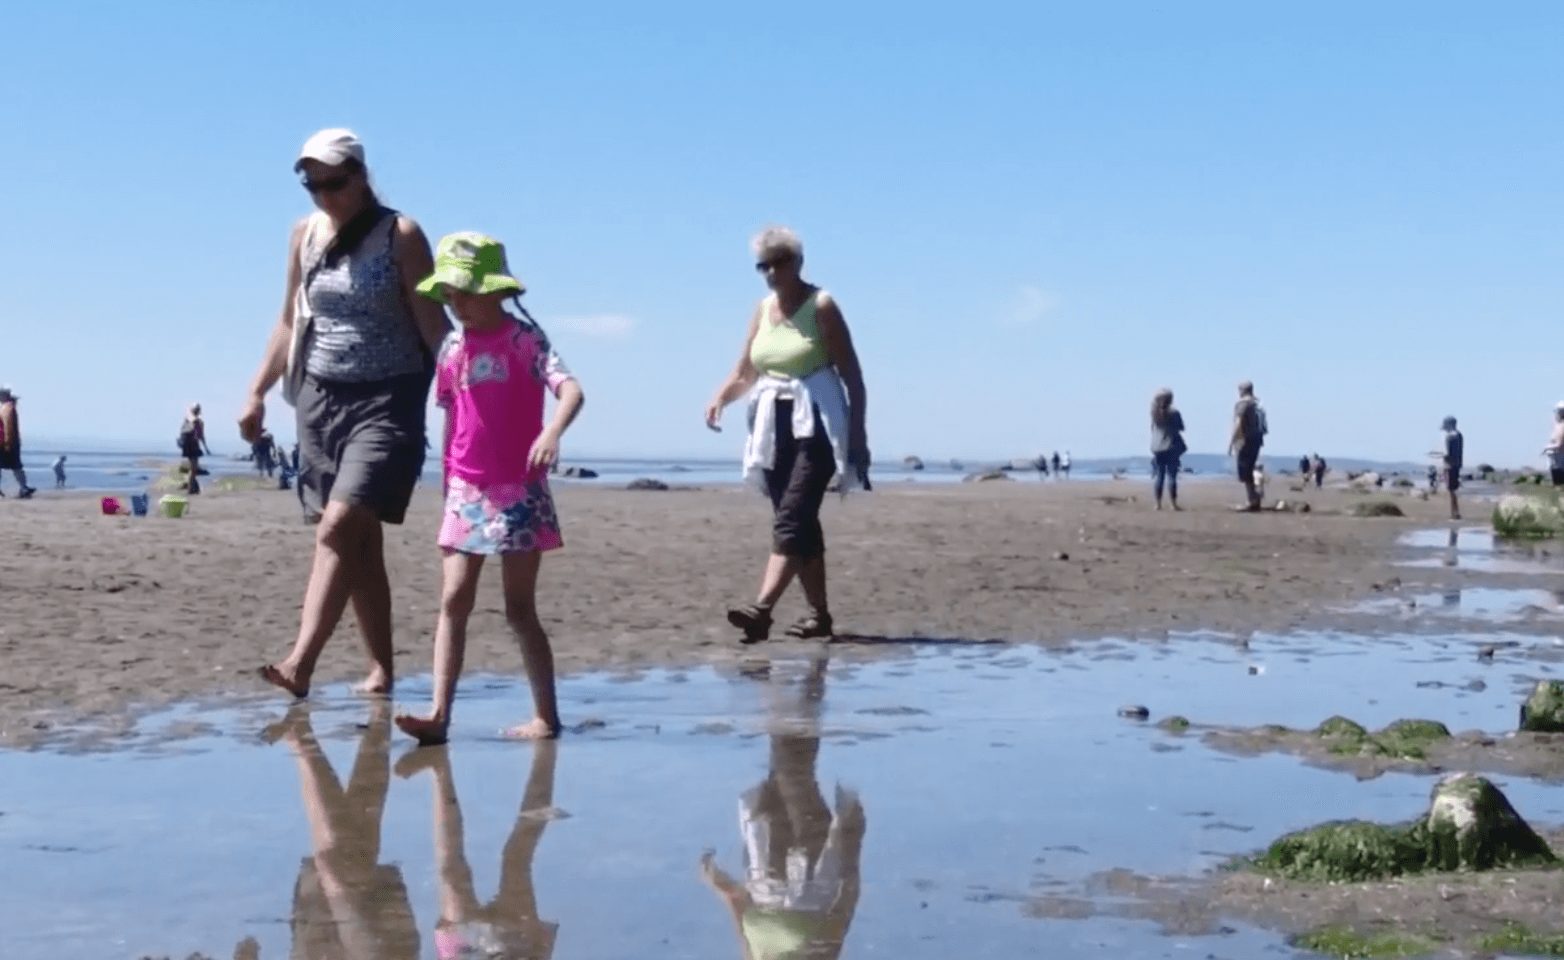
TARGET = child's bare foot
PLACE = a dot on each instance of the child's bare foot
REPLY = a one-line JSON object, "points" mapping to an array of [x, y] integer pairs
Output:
{"points": [[275, 676], [377, 683], [536, 729], [428, 731]]}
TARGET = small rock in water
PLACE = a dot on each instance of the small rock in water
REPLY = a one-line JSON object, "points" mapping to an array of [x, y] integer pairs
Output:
{"points": [[646, 483], [1487, 651], [1255, 670], [1061, 555], [1135, 712]]}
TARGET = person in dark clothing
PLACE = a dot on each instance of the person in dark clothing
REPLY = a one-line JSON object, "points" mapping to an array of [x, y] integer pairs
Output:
{"points": [[1248, 437], [1167, 446], [1453, 458], [1317, 465]]}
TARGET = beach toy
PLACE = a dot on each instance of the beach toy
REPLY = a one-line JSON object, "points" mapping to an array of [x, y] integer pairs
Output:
{"points": [[138, 504], [112, 506], [173, 507]]}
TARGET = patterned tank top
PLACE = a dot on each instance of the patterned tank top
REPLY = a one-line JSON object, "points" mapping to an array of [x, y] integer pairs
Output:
{"points": [[364, 331]]}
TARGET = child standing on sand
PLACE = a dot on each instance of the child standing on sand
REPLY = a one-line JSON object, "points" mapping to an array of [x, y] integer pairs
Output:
{"points": [[490, 378]]}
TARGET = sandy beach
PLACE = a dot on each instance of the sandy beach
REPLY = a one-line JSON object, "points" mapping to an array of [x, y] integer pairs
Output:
{"points": [[107, 614]]}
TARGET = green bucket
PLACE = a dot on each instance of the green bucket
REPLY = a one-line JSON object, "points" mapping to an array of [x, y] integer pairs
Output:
{"points": [[173, 507]]}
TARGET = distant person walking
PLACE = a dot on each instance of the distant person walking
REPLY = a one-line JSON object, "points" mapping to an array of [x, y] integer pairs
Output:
{"points": [[1317, 465], [264, 453], [1555, 447], [192, 446], [1167, 446], [59, 472], [1249, 429], [11, 442], [357, 344], [1064, 466], [1057, 463], [1453, 458], [807, 423], [1303, 468]]}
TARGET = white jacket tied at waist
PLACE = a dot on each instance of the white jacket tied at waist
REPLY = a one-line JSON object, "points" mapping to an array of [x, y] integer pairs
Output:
{"points": [[820, 391]]}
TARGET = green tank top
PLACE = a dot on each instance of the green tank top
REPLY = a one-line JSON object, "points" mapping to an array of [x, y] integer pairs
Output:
{"points": [[792, 346]]}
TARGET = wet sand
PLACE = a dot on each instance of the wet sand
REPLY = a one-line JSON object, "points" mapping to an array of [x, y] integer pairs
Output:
{"points": [[104, 614]]}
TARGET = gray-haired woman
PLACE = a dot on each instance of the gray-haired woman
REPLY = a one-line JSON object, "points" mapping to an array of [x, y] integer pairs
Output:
{"points": [[806, 425], [366, 360]]}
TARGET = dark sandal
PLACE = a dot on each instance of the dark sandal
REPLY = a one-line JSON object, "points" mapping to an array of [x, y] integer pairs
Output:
{"points": [[816, 626], [754, 620]]}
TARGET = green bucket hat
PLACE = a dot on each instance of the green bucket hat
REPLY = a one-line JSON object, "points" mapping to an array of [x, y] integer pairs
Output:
{"points": [[471, 262]]}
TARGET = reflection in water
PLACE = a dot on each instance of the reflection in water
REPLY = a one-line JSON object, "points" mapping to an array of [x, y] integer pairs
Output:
{"points": [[346, 904], [1452, 554], [801, 861], [507, 927]]}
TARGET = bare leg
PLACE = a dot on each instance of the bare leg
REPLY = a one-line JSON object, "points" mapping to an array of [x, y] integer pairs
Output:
{"points": [[811, 576], [457, 596], [338, 547], [371, 595], [1455, 506], [521, 611], [780, 570]]}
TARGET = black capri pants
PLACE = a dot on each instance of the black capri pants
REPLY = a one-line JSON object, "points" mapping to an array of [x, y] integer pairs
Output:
{"points": [[797, 482]]}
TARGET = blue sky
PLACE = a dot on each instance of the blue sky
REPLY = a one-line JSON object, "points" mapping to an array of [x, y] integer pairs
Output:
{"points": [[1033, 214]]}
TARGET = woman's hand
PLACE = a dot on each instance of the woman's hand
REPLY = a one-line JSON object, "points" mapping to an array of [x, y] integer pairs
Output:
{"points": [[714, 415], [253, 419], [545, 451]]}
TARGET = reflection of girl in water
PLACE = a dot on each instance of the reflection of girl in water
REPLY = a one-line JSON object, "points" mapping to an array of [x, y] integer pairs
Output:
{"points": [[508, 926], [346, 904], [801, 861]]}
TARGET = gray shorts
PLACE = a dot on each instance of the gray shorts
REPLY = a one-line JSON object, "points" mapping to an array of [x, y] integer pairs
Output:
{"points": [[361, 444]]}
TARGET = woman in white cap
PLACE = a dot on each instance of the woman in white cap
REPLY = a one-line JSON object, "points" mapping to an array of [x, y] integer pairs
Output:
{"points": [[1555, 447], [356, 345]]}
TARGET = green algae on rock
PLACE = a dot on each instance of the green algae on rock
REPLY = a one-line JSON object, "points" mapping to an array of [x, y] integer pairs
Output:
{"points": [[1516, 940], [1174, 724], [1350, 945], [1403, 739], [1470, 826], [1543, 711]]}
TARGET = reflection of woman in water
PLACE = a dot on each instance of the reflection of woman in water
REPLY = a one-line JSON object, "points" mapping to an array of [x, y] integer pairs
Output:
{"points": [[801, 861], [346, 904], [508, 926]]}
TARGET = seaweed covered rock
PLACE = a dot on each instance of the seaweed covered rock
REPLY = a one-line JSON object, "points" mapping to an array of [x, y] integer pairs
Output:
{"points": [[1543, 711], [1470, 826], [1376, 508], [1403, 739]]}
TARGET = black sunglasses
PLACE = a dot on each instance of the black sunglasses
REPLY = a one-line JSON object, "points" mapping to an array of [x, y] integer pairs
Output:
{"points": [[329, 185], [764, 266]]}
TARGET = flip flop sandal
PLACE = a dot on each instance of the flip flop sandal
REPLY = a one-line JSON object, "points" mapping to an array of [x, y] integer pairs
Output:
{"points": [[814, 627], [754, 620]]}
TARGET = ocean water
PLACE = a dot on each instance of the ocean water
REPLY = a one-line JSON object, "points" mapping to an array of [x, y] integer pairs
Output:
{"points": [[125, 472]]}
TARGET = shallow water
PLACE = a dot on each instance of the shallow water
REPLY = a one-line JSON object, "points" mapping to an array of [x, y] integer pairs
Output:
{"points": [[1476, 549], [1480, 603], [932, 797]]}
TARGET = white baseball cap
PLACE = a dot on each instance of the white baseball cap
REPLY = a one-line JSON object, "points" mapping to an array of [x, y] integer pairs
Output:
{"points": [[333, 146]]}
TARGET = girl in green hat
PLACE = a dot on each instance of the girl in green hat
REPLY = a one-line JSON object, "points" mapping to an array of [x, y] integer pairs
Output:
{"points": [[490, 378]]}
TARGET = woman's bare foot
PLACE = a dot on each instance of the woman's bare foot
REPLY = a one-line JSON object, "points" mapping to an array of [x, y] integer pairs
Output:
{"points": [[428, 731], [535, 729], [273, 675], [378, 683]]}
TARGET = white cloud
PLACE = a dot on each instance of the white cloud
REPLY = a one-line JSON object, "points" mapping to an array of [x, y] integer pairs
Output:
{"points": [[601, 326], [1028, 307]]}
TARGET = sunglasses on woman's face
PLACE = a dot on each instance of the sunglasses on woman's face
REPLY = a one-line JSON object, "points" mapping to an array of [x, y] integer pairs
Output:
{"points": [[328, 185], [766, 266]]}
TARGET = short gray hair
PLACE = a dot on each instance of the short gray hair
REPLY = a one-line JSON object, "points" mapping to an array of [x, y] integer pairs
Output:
{"points": [[775, 240]]}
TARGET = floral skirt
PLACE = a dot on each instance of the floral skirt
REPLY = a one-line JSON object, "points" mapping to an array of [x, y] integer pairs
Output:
{"points": [[503, 518]]}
